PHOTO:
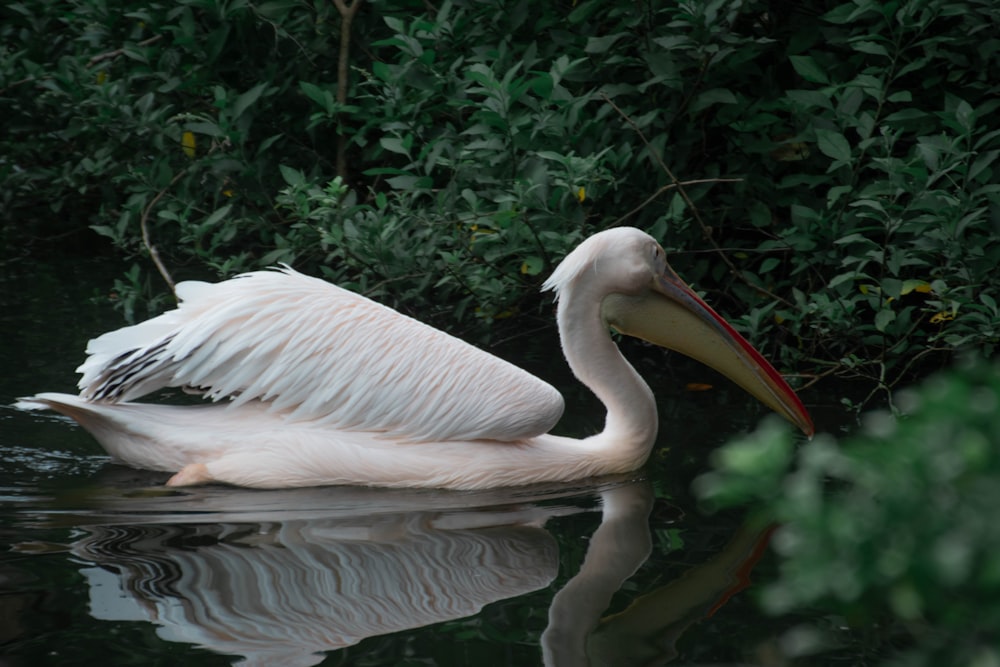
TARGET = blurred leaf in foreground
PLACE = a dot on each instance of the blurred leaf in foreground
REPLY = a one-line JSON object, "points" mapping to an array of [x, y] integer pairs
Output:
{"points": [[895, 524]]}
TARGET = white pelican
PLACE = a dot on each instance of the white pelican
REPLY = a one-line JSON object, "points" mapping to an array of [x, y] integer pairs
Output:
{"points": [[323, 386]]}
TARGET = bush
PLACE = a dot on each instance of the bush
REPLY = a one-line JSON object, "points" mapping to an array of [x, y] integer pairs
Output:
{"points": [[840, 160], [892, 526]]}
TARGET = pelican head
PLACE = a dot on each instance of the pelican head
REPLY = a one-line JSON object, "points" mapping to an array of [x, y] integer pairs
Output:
{"points": [[625, 271]]}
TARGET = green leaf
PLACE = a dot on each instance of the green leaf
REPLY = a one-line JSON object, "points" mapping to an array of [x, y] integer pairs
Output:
{"points": [[276, 10], [409, 182], [532, 265], [217, 215], [809, 69], [292, 176], [400, 145], [713, 96], [319, 95], [597, 45], [834, 194], [810, 99], [207, 128], [395, 24], [542, 85], [865, 46], [834, 145], [244, 101], [839, 279], [769, 264], [583, 11], [382, 71], [267, 143], [854, 238], [905, 115], [884, 318], [965, 115], [760, 214], [105, 230], [892, 287], [982, 162]]}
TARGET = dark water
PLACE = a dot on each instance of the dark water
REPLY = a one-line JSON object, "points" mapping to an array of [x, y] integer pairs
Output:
{"points": [[100, 564]]}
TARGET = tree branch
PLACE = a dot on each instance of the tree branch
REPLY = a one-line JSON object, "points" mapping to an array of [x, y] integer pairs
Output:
{"points": [[706, 231], [347, 14], [671, 186], [117, 52], [144, 227]]}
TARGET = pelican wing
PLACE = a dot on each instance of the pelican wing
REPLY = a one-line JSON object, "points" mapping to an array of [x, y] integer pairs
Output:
{"points": [[324, 354]]}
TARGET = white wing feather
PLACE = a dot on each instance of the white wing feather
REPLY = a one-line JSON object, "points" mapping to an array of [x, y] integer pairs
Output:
{"points": [[323, 354]]}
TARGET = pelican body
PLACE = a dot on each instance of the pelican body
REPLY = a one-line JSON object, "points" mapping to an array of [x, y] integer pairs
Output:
{"points": [[314, 385]]}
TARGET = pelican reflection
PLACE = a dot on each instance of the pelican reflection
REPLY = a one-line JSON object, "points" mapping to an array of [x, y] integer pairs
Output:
{"points": [[283, 577]]}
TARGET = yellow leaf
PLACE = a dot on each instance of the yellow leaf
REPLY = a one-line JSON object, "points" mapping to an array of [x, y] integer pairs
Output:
{"points": [[921, 286], [789, 151], [228, 193], [102, 76], [188, 144], [581, 194], [778, 319], [943, 316]]}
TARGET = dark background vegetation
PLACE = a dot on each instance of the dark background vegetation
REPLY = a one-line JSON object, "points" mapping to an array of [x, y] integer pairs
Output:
{"points": [[827, 171]]}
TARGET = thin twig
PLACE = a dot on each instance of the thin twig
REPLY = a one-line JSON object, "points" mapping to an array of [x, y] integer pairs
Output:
{"points": [[150, 248], [521, 333], [671, 186], [21, 82], [117, 52], [694, 210], [814, 377]]}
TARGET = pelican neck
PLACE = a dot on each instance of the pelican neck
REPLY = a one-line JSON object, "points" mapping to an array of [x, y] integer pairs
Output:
{"points": [[597, 362]]}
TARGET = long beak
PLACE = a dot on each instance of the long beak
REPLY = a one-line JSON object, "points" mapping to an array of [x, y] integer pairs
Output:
{"points": [[671, 315]]}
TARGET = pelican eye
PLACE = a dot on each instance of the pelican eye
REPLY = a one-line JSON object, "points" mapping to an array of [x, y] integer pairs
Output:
{"points": [[659, 256]]}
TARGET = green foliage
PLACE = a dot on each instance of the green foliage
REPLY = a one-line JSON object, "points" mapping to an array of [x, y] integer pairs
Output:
{"points": [[896, 230], [894, 523], [118, 110], [484, 140]]}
